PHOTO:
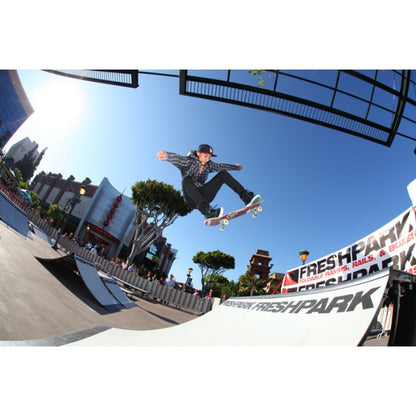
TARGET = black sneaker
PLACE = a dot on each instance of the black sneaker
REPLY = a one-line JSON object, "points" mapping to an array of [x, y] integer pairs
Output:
{"points": [[213, 212], [247, 197]]}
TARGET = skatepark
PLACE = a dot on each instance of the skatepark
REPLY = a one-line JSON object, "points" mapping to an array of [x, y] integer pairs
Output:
{"points": [[45, 303], [52, 297]]}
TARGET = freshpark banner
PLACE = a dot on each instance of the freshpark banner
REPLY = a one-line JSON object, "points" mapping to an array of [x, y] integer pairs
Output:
{"points": [[391, 246]]}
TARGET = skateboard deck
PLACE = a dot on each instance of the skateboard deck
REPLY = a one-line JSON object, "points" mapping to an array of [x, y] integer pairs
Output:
{"points": [[224, 220]]}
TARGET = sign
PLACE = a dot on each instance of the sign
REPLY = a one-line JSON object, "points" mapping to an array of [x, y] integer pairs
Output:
{"points": [[391, 246]]}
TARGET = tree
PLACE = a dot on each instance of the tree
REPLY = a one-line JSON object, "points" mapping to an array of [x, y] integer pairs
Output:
{"points": [[55, 213], [258, 72], [249, 285], [212, 263], [218, 284], [233, 288], [35, 198], [22, 183], [158, 205]]}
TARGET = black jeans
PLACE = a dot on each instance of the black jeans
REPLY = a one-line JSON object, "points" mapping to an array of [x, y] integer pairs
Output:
{"points": [[200, 198]]}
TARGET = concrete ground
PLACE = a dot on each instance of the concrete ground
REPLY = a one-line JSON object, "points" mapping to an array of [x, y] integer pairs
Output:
{"points": [[39, 301]]}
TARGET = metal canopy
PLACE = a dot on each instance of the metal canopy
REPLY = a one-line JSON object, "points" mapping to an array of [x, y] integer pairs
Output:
{"points": [[368, 104], [123, 78], [376, 105]]}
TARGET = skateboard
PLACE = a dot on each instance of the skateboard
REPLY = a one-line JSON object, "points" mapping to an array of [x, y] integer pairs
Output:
{"points": [[224, 220]]}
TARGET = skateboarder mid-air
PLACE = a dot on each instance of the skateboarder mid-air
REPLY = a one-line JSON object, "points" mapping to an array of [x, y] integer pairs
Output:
{"points": [[195, 167]]}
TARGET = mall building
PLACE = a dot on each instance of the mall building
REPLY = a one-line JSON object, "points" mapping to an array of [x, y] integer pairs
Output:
{"points": [[104, 217]]}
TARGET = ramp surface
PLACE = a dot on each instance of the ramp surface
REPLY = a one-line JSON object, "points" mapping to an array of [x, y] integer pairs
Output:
{"points": [[95, 285], [41, 233], [339, 315], [114, 288], [13, 216]]}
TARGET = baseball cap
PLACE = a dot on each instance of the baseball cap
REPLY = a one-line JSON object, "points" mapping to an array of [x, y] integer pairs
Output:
{"points": [[206, 148]]}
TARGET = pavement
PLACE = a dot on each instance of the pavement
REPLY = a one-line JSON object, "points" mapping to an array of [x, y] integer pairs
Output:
{"points": [[44, 304]]}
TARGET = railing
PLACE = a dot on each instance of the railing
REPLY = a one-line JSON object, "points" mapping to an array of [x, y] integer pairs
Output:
{"points": [[155, 290]]}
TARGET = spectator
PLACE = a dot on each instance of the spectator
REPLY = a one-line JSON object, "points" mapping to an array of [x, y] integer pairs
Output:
{"points": [[170, 282], [209, 296]]}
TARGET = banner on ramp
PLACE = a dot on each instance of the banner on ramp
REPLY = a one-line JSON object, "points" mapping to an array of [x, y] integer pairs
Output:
{"points": [[391, 246]]}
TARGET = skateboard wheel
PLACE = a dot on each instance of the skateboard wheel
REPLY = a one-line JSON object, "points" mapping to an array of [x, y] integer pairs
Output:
{"points": [[222, 228], [225, 222], [259, 209]]}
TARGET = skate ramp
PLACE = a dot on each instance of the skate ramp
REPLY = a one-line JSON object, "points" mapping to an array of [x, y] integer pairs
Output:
{"points": [[41, 234], [339, 315], [115, 290], [92, 280], [13, 216], [106, 291]]}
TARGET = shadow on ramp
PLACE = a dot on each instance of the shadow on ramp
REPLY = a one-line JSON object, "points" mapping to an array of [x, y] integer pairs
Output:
{"points": [[106, 292]]}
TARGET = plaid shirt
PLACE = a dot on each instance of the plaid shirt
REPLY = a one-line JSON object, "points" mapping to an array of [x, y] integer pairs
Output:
{"points": [[189, 166]]}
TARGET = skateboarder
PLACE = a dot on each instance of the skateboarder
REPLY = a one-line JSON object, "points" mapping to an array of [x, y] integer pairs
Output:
{"points": [[195, 167]]}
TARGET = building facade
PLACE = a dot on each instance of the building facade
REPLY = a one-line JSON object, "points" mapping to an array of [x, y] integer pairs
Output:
{"points": [[18, 151], [103, 217], [15, 107]]}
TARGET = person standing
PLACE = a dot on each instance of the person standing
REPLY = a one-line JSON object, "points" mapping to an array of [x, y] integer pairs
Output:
{"points": [[170, 282]]}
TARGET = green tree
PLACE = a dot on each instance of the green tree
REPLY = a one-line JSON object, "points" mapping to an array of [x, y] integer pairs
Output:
{"points": [[249, 285], [55, 213], [218, 284], [19, 175], [233, 288], [212, 263], [259, 74], [35, 198], [22, 183], [158, 205]]}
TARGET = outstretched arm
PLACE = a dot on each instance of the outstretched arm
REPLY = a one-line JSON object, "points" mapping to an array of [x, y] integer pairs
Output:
{"points": [[217, 167]]}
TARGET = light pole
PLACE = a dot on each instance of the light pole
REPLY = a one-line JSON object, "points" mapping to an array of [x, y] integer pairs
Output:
{"points": [[70, 205], [189, 280], [303, 255]]}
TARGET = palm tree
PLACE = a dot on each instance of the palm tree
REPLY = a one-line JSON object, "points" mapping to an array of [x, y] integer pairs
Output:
{"points": [[249, 285]]}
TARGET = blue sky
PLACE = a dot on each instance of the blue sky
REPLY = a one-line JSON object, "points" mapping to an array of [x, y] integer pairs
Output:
{"points": [[323, 189]]}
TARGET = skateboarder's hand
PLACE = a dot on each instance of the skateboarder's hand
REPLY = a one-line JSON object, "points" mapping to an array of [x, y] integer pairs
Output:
{"points": [[161, 155], [239, 166]]}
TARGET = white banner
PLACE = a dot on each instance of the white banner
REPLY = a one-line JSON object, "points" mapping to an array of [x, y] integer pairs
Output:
{"points": [[391, 246]]}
